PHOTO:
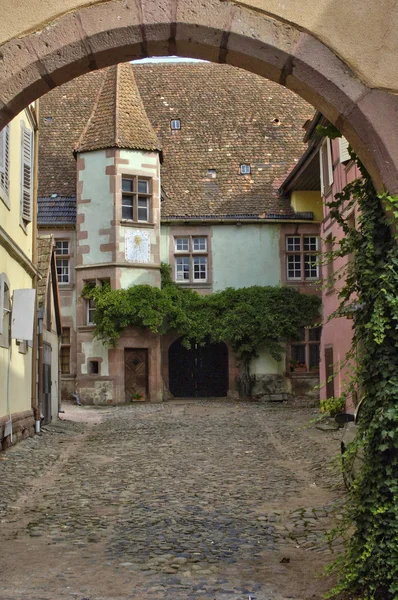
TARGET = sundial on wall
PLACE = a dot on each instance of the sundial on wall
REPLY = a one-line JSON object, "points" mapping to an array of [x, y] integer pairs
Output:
{"points": [[138, 247]]}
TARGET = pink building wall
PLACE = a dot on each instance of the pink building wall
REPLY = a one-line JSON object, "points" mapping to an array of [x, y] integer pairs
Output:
{"points": [[337, 333]]}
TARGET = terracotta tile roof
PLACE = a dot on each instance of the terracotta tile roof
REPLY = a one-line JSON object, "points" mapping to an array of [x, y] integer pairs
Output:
{"points": [[44, 252], [118, 119], [56, 211], [228, 117]]}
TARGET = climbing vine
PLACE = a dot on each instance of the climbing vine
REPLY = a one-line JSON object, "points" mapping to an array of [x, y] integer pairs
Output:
{"points": [[249, 319], [368, 568]]}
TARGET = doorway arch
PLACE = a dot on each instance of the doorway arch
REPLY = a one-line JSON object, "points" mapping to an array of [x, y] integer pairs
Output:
{"points": [[198, 371], [96, 36]]}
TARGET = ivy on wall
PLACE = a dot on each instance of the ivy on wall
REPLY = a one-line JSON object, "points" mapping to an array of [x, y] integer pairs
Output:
{"points": [[368, 568], [249, 319]]}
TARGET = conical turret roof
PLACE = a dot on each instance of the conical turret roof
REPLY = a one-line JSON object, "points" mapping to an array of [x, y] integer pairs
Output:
{"points": [[118, 118]]}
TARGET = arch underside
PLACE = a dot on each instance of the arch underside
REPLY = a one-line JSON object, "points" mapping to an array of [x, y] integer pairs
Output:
{"points": [[104, 34]]}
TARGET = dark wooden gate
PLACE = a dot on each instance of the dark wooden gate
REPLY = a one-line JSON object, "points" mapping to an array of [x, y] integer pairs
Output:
{"points": [[329, 371], [200, 372], [46, 399], [135, 373]]}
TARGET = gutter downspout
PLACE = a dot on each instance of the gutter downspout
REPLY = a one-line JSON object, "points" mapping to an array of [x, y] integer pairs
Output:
{"points": [[34, 391]]}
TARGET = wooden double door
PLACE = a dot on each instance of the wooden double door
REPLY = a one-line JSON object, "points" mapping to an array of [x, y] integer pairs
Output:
{"points": [[135, 374], [198, 372]]}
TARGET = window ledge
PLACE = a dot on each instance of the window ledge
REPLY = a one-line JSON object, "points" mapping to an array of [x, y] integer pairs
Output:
{"points": [[301, 374], [204, 285], [86, 327], [128, 223]]}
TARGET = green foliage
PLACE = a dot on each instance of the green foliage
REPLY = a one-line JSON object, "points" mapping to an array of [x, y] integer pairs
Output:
{"points": [[369, 566], [248, 319], [333, 406]]}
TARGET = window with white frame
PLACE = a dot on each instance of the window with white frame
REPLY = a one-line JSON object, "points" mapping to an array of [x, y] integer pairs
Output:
{"points": [[192, 266], [62, 251], [302, 257], [90, 307], [26, 173], [5, 310], [90, 303], [136, 199], [245, 169], [5, 164]]}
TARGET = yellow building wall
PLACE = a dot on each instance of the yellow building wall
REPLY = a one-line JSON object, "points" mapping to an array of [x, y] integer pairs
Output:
{"points": [[308, 201], [15, 367]]}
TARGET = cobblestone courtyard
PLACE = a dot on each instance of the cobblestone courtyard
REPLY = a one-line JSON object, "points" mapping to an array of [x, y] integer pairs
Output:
{"points": [[186, 500]]}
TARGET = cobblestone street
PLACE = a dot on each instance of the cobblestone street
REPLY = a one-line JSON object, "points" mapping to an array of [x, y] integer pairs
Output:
{"points": [[184, 500]]}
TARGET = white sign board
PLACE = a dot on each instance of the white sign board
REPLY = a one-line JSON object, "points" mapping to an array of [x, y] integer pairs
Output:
{"points": [[137, 246], [23, 314]]}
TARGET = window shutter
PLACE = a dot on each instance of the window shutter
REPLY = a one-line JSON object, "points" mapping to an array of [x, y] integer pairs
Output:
{"points": [[321, 170], [26, 173], [330, 162], [3, 151], [329, 372], [2, 290], [343, 148]]}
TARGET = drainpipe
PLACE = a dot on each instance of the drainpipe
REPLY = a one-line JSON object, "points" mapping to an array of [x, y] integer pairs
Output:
{"points": [[34, 391], [40, 317]]}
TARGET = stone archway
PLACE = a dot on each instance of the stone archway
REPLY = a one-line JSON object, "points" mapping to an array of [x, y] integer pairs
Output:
{"points": [[106, 33]]}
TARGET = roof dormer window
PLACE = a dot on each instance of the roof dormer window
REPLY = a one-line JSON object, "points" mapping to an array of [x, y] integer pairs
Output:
{"points": [[245, 169], [212, 173], [175, 124]]}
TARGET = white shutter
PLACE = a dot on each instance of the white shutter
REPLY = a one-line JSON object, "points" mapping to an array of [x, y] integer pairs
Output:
{"points": [[2, 289], [3, 151], [330, 163], [343, 150], [321, 170], [26, 172]]}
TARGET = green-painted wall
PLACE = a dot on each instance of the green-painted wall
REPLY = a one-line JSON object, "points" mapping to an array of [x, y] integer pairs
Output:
{"points": [[98, 212], [264, 364], [246, 255]]}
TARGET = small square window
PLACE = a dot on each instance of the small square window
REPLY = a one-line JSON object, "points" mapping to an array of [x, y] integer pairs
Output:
{"points": [[93, 367], [182, 244], [293, 244], [245, 169], [127, 185], [62, 247], [310, 243], [175, 124], [212, 173], [199, 244], [143, 186]]}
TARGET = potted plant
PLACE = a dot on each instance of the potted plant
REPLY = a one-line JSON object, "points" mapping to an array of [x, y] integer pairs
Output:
{"points": [[137, 397], [297, 366]]}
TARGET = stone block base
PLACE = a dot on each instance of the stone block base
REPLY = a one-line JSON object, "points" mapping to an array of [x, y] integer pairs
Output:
{"points": [[23, 426], [271, 388], [303, 384]]}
